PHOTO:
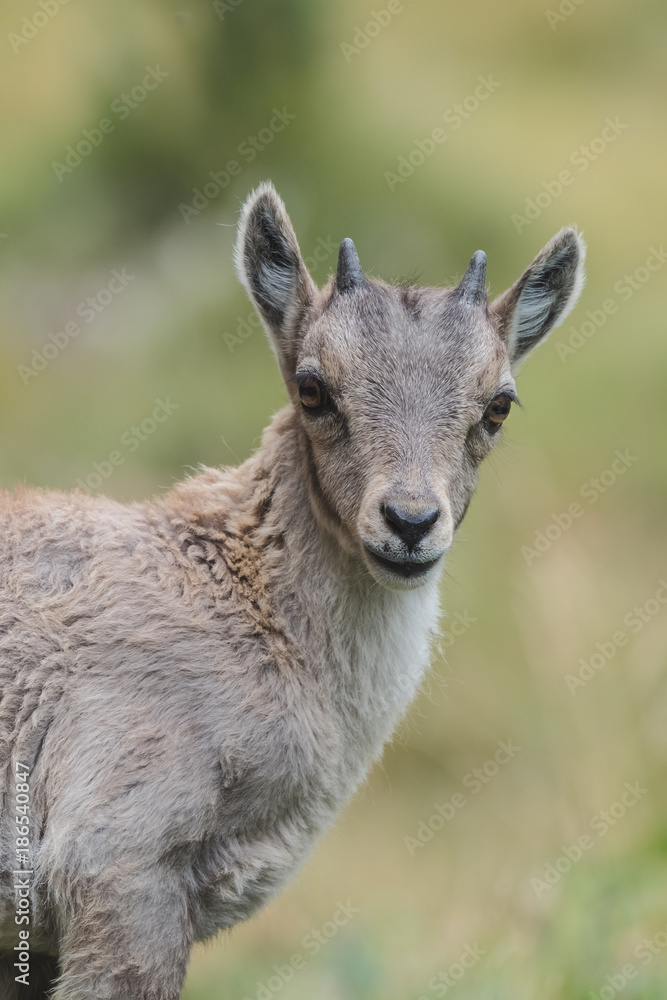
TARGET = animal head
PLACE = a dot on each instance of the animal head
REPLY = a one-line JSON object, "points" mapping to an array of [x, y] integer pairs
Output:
{"points": [[399, 392]]}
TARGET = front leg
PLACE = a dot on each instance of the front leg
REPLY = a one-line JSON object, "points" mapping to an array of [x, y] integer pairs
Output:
{"points": [[128, 937]]}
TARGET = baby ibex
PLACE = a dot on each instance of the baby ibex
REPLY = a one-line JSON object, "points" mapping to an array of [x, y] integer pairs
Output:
{"points": [[191, 688]]}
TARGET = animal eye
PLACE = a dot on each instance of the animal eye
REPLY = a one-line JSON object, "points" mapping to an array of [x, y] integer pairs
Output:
{"points": [[496, 412], [312, 394]]}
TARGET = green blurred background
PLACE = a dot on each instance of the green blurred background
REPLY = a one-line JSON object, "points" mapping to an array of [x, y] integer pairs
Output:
{"points": [[179, 329]]}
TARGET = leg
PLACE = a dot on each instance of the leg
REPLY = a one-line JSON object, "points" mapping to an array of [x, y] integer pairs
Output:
{"points": [[43, 974], [128, 938]]}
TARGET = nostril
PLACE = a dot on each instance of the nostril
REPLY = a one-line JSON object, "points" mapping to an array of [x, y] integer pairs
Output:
{"points": [[410, 527], [430, 518]]}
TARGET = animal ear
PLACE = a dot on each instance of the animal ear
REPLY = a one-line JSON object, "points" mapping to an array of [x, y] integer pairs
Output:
{"points": [[269, 264], [543, 296]]}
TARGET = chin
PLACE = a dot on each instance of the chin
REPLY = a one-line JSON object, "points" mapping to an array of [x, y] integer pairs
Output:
{"points": [[405, 574]]}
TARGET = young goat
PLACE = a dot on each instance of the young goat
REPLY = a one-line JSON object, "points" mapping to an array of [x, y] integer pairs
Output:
{"points": [[191, 688]]}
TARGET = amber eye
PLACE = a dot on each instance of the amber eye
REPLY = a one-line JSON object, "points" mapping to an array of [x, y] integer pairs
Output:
{"points": [[497, 411], [312, 393]]}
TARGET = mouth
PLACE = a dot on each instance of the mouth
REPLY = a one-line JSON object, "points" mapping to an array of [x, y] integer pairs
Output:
{"points": [[407, 568]]}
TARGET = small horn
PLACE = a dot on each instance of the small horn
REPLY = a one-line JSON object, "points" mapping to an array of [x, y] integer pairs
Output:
{"points": [[349, 275], [472, 287]]}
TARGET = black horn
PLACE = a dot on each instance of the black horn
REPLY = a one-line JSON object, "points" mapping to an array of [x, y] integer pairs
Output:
{"points": [[472, 288], [349, 275]]}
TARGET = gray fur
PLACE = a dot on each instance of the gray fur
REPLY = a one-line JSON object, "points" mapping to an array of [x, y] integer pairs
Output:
{"points": [[197, 684]]}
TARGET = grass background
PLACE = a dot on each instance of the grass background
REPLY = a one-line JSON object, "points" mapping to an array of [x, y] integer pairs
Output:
{"points": [[170, 334]]}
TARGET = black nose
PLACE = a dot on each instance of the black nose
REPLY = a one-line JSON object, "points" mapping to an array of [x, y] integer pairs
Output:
{"points": [[410, 527]]}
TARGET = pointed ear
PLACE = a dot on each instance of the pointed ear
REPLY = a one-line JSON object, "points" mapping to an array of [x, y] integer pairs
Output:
{"points": [[543, 296], [269, 264]]}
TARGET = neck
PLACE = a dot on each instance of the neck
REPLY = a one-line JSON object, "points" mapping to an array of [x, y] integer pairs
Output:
{"points": [[367, 646]]}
